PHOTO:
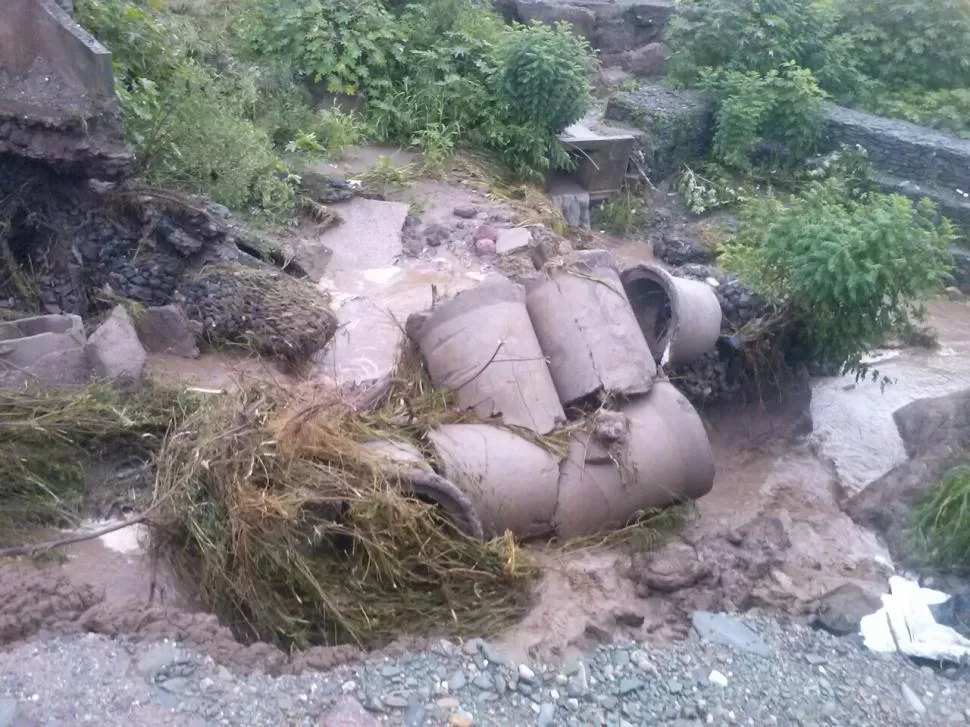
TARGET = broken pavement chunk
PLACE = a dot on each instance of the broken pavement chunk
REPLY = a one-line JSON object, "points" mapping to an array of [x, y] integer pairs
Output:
{"points": [[587, 329]]}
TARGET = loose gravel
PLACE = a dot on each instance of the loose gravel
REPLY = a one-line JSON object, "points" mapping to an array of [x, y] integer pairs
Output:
{"points": [[805, 677]]}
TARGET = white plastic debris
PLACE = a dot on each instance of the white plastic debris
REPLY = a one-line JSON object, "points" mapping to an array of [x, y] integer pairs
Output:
{"points": [[906, 624]]}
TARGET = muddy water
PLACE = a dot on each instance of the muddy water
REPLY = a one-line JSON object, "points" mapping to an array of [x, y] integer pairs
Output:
{"points": [[118, 564], [854, 427]]}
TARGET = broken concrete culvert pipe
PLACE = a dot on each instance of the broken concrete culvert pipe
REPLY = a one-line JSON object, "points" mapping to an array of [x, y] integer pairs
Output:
{"points": [[404, 467], [513, 483], [481, 346], [651, 453], [680, 318], [587, 329]]}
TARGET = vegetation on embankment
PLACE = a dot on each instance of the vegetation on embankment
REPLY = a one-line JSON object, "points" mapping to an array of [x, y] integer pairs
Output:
{"points": [[942, 523], [223, 98]]}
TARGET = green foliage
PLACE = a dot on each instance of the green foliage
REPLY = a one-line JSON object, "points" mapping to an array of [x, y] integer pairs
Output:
{"points": [[782, 106], [345, 44], [852, 269], [703, 194], [909, 42], [191, 126], [621, 216], [754, 35], [946, 109], [942, 527], [542, 76]]}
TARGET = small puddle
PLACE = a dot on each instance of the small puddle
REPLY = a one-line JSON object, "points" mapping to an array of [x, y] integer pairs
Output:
{"points": [[119, 564]]}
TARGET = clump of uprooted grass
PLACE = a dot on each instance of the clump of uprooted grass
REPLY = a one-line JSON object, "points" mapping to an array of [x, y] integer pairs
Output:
{"points": [[288, 530], [942, 526], [47, 437]]}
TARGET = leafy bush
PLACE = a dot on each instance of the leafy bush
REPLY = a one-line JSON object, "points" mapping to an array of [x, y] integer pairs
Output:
{"points": [[782, 106], [853, 270], [542, 78], [621, 216], [942, 527], [908, 42], [755, 35], [345, 44], [190, 126], [947, 109]]}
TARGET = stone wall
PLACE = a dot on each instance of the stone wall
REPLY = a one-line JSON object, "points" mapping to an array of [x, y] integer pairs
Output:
{"points": [[929, 160], [613, 27]]}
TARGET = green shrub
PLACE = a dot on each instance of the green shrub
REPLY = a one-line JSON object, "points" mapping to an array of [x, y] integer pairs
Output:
{"points": [[942, 527], [853, 270], [910, 42], [542, 78], [947, 109], [191, 127], [783, 106], [345, 44], [756, 35]]}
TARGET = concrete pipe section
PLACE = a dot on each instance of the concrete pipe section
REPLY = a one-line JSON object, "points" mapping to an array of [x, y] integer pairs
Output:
{"points": [[481, 346], [43, 351], [680, 318], [652, 453], [588, 330], [513, 483], [403, 466]]}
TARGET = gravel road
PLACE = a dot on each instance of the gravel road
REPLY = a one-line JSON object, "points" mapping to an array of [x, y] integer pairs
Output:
{"points": [[762, 673]]}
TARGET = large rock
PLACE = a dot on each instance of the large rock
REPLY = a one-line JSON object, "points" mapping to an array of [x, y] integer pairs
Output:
{"points": [[611, 27], [114, 348], [166, 329], [935, 433], [648, 61], [840, 611], [43, 351]]}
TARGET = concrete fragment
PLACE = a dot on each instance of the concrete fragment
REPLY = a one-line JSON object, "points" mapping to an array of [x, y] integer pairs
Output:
{"points": [[43, 351], [648, 61], [166, 329], [720, 628], [481, 346], [587, 329], [512, 482], [572, 200], [114, 348], [512, 239], [680, 318], [664, 457]]}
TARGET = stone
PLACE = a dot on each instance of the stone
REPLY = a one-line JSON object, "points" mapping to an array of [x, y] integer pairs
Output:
{"points": [[416, 712], [672, 568], [493, 655], [912, 701], [648, 61], [547, 713], [457, 681], [348, 712], [156, 659], [717, 679], [841, 610], [8, 712], [114, 348], [465, 211], [485, 247], [526, 674], [44, 351], [167, 330], [483, 681], [447, 703], [395, 701], [513, 239], [485, 232], [719, 628], [436, 234], [460, 719], [630, 684]]}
